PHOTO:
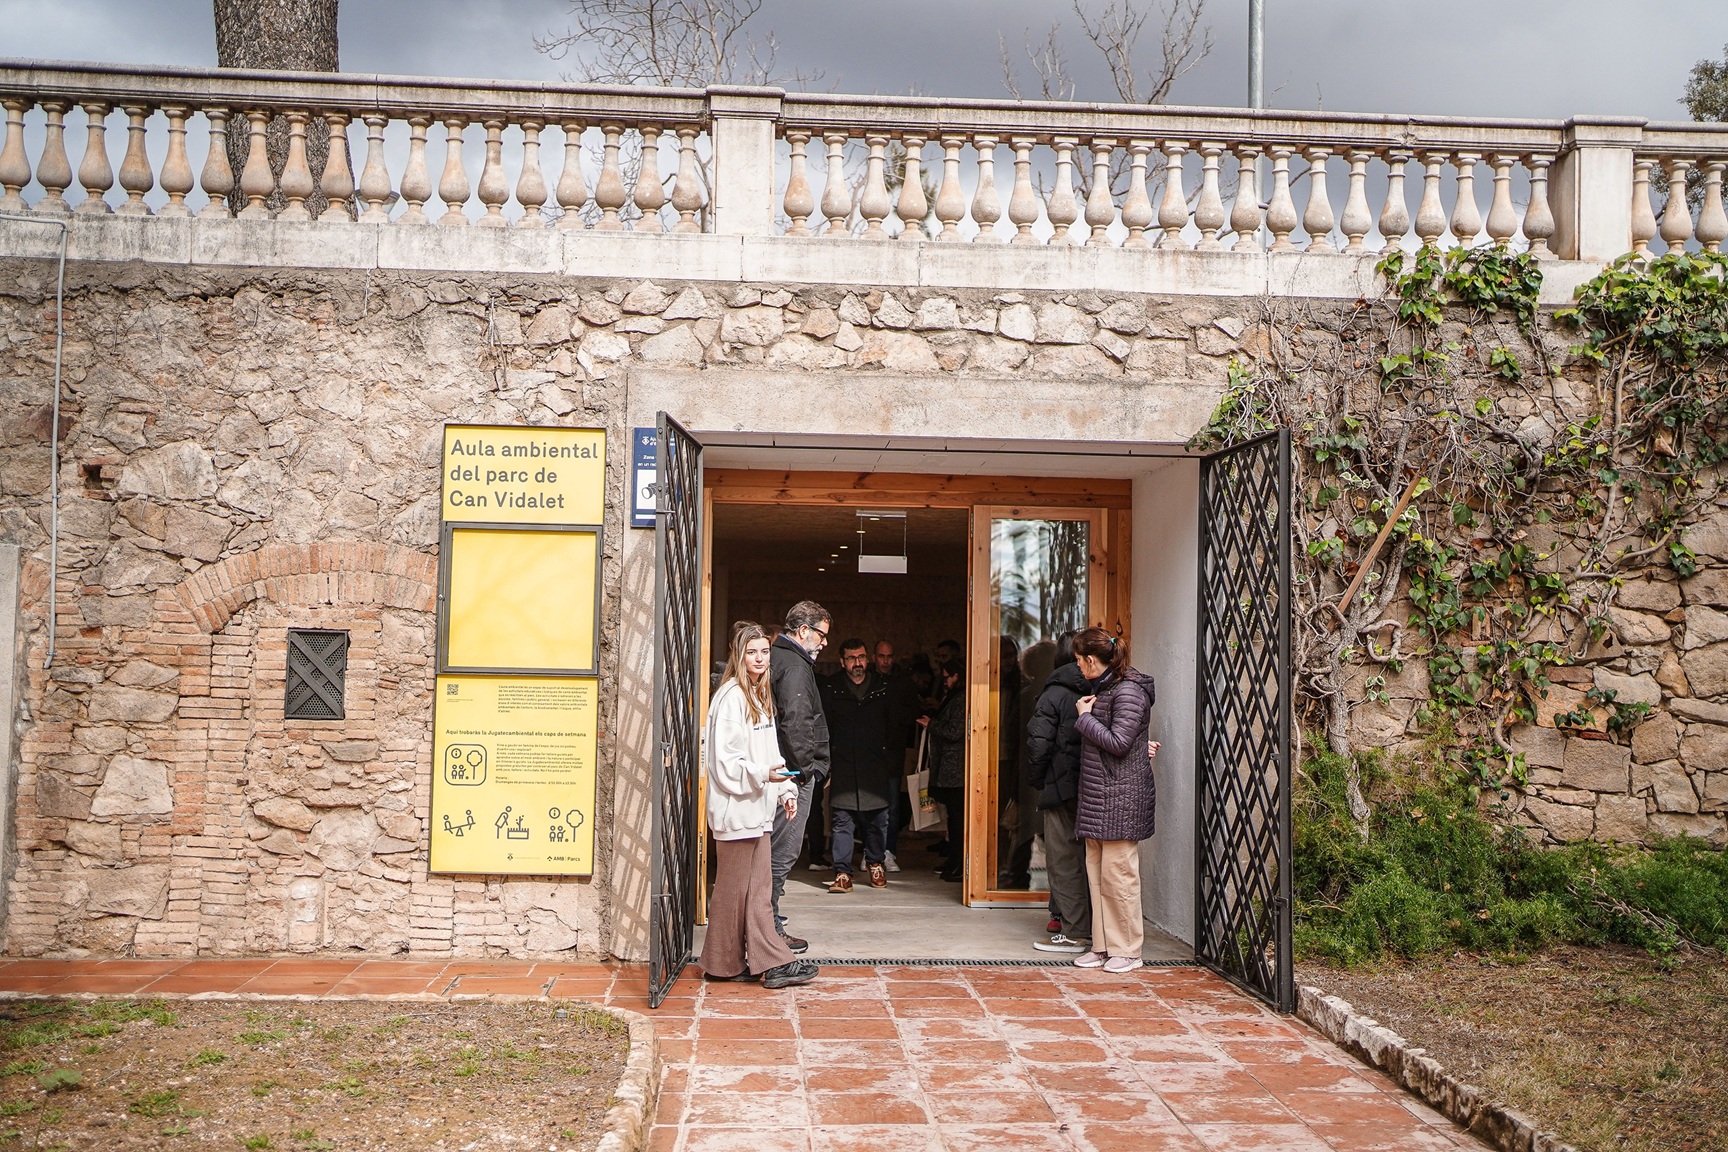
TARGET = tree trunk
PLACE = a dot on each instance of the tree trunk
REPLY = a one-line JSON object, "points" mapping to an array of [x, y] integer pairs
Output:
{"points": [[277, 35]]}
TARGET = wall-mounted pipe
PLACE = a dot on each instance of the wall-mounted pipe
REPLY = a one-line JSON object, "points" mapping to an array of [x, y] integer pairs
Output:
{"points": [[54, 429]]}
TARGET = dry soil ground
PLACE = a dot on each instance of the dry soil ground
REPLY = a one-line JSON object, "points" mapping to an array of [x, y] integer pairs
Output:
{"points": [[298, 1076], [1616, 1050]]}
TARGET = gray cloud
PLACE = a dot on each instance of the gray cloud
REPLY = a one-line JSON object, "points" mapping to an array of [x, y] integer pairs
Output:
{"points": [[1513, 58]]}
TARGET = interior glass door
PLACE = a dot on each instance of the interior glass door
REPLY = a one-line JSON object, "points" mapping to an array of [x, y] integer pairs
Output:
{"points": [[1036, 573]]}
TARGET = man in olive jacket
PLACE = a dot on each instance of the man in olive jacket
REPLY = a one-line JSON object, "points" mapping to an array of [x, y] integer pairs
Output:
{"points": [[803, 732]]}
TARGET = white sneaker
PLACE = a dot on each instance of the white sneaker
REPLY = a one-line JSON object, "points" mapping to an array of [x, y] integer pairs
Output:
{"points": [[1060, 943], [1091, 960], [1121, 964], [889, 862], [815, 867]]}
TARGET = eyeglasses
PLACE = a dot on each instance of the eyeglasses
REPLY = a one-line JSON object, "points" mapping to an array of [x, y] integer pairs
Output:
{"points": [[819, 632]]}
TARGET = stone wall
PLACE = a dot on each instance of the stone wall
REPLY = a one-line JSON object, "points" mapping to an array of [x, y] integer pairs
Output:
{"points": [[249, 451]]}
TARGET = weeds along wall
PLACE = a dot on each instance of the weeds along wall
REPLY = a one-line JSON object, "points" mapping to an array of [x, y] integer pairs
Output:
{"points": [[1512, 535], [247, 451]]}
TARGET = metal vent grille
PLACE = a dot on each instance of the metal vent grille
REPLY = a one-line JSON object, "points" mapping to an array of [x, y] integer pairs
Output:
{"points": [[317, 668]]}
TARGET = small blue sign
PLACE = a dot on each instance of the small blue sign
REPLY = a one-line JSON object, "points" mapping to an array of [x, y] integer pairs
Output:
{"points": [[645, 462]]}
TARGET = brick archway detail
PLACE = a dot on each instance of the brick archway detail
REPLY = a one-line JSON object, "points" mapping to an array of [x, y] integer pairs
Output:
{"points": [[351, 572]]}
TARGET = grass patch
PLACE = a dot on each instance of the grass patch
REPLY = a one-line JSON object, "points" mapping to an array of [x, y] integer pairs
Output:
{"points": [[1434, 873], [156, 1105]]}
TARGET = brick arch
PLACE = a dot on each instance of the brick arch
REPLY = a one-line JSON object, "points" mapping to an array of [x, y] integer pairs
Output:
{"points": [[344, 571]]}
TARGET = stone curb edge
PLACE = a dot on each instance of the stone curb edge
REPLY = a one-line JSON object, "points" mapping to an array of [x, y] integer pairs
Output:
{"points": [[627, 1120], [1421, 1075]]}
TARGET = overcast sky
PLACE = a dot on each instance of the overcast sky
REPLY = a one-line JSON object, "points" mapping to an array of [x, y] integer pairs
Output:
{"points": [[1460, 57]]}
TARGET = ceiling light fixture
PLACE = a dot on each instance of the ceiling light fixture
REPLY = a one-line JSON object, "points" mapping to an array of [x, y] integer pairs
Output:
{"points": [[882, 562]]}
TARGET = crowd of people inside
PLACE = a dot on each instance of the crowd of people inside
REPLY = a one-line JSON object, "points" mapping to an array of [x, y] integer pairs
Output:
{"points": [[799, 763]]}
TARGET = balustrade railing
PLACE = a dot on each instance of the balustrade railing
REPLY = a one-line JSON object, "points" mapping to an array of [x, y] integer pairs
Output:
{"points": [[860, 169]]}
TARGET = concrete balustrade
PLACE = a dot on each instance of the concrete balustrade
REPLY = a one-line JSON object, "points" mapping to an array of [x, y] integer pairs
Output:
{"points": [[758, 162]]}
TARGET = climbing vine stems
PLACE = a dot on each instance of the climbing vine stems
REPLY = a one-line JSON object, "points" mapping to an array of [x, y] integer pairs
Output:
{"points": [[1475, 482]]}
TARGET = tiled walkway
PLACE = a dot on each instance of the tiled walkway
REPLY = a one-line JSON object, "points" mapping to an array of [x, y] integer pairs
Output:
{"points": [[908, 1059]]}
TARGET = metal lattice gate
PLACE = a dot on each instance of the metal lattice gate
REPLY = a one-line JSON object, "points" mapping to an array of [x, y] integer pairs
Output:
{"points": [[677, 728], [1243, 891]]}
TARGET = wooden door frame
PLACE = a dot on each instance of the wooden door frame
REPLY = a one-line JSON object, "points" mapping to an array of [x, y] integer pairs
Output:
{"points": [[1107, 571], [1104, 502]]}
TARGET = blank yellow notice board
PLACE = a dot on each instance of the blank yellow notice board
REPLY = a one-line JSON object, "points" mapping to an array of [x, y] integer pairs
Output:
{"points": [[521, 600]]}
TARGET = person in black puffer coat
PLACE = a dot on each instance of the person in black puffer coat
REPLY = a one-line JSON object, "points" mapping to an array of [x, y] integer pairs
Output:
{"points": [[1053, 770], [948, 761], [1118, 797]]}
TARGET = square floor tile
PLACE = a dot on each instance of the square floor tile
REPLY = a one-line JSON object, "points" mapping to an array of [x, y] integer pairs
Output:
{"points": [[748, 1109], [747, 1140], [1004, 1138], [876, 1138], [1227, 1108], [1142, 1107], [1133, 1138], [853, 1108], [742, 1078], [972, 1108], [1259, 1138]]}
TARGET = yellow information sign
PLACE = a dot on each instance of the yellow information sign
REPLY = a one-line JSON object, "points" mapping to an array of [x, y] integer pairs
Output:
{"points": [[520, 475], [513, 780], [522, 600]]}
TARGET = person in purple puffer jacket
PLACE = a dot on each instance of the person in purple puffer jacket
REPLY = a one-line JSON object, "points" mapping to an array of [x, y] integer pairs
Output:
{"points": [[1118, 797]]}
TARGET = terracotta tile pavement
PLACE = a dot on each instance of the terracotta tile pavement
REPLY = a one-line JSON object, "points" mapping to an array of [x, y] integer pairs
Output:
{"points": [[901, 1059]]}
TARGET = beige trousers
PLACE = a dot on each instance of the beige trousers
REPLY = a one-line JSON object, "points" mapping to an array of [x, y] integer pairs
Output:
{"points": [[1113, 875], [741, 928]]}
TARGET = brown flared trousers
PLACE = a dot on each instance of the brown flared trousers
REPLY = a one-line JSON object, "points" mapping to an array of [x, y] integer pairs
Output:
{"points": [[741, 927]]}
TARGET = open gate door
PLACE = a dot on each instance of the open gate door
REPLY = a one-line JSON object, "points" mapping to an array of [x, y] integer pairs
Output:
{"points": [[1243, 895], [677, 735]]}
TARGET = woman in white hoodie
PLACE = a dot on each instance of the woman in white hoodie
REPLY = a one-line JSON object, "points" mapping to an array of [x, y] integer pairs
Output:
{"points": [[747, 781]]}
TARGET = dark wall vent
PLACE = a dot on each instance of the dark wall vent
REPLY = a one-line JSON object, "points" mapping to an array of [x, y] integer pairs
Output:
{"points": [[317, 670]]}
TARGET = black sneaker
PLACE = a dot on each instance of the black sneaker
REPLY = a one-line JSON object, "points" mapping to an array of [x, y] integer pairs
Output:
{"points": [[742, 977], [796, 943], [786, 975]]}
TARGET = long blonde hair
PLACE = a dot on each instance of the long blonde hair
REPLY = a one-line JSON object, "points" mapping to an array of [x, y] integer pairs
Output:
{"points": [[759, 694]]}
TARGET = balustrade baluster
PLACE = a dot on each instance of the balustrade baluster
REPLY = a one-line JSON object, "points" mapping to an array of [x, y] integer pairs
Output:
{"points": [[649, 194], [687, 189], [337, 182], [1430, 213], [453, 184], [799, 201], [913, 206], [1317, 217], [256, 181], [1246, 213], [873, 203], [297, 186], [1356, 222], [54, 170], [1281, 219], [375, 176], [1502, 219], [1173, 206], [609, 191], [1643, 216], [1677, 212], [1062, 208], [494, 189], [1209, 210], [14, 162], [986, 201], [217, 178], [1538, 216], [531, 181], [1137, 213], [1712, 220], [176, 168], [950, 200], [1100, 207], [1466, 216], [1395, 213], [836, 196], [95, 175], [1023, 204], [572, 189], [135, 175]]}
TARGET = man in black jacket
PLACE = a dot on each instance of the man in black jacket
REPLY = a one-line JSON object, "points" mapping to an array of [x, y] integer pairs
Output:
{"points": [[863, 752], [1053, 768], [803, 731]]}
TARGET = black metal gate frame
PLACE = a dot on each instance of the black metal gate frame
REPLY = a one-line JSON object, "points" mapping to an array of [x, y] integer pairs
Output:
{"points": [[677, 730], [1244, 899]]}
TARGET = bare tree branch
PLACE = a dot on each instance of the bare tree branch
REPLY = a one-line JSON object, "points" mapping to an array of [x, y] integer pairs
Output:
{"points": [[1048, 64], [1183, 43], [668, 43]]}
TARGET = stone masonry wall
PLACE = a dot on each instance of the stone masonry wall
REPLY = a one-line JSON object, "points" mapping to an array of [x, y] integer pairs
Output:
{"points": [[249, 451]]}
